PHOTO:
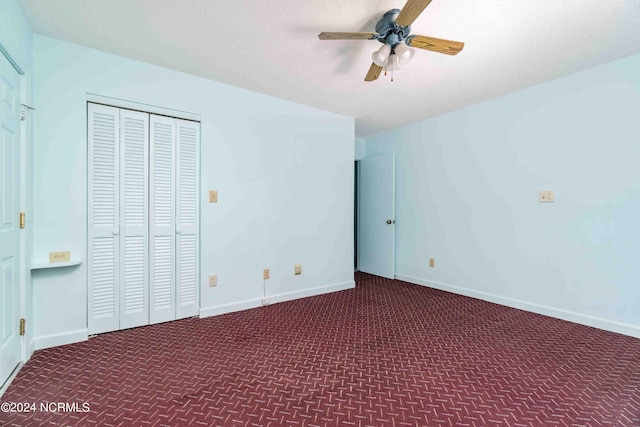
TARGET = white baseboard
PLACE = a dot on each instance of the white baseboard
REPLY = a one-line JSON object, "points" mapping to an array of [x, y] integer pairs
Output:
{"points": [[62, 338], [216, 310], [571, 316], [276, 298], [288, 296]]}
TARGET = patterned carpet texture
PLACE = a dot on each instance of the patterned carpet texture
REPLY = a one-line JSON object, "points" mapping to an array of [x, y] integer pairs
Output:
{"points": [[386, 353]]}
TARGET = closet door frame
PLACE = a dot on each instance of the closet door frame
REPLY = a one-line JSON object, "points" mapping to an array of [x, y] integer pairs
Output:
{"points": [[171, 252]]}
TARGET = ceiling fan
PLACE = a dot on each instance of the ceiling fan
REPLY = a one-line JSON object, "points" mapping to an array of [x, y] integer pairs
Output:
{"points": [[394, 32]]}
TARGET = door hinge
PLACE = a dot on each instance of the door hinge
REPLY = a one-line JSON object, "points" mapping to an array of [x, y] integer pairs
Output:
{"points": [[22, 322], [22, 219]]}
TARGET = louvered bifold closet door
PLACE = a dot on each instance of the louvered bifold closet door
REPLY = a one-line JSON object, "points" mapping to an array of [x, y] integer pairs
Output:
{"points": [[187, 219], [103, 207], [134, 249], [162, 292]]}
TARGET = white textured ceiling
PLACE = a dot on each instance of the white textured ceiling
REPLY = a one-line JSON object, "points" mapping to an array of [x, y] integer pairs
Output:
{"points": [[272, 46]]}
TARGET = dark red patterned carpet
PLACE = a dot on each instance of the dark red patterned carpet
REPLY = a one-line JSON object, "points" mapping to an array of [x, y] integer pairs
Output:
{"points": [[387, 353]]}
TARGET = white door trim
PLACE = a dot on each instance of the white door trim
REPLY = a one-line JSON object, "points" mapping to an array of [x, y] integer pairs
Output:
{"points": [[144, 108], [26, 129]]}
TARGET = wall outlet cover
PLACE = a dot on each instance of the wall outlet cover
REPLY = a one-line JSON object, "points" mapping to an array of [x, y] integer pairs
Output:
{"points": [[213, 196], [432, 262], [265, 273], [546, 196]]}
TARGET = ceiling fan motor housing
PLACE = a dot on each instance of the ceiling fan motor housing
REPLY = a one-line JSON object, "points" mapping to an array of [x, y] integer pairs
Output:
{"points": [[389, 32]]}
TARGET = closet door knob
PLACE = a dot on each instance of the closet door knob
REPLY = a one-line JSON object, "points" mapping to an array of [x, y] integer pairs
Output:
{"points": [[178, 229], [115, 231]]}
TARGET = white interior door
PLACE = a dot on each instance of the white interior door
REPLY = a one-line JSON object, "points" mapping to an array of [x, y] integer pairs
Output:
{"points": [[376, 221], [187, 219], [162, 290], [104, 225], [9, 218], [134, 192]]}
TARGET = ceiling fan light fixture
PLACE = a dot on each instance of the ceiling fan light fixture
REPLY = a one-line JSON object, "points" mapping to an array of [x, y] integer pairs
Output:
{"points": [[381, 56], [393, 63], [393, 30], [404, 53]]}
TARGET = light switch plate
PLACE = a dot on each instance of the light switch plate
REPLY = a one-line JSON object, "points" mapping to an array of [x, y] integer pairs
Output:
{"points": [[213, 280], [213, 196], [61, 256], [546, 196], [297, 269], [432, 262]]}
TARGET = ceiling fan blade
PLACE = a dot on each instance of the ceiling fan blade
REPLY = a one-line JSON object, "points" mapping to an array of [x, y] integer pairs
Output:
{"points": [[411, 11], [374, 73], [448, 47], [347, 36]]}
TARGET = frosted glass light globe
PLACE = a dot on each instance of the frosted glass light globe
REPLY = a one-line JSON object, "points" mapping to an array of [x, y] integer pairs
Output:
{"points": [[381, 56]]}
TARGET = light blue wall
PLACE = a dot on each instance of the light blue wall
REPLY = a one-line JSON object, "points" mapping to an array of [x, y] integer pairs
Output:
{"points": [[359, 148], [283, 173], [16, 44], [467, 195]]}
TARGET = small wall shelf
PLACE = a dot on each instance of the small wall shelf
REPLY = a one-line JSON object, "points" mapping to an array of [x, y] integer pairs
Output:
{"points": [[40, 263]]}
